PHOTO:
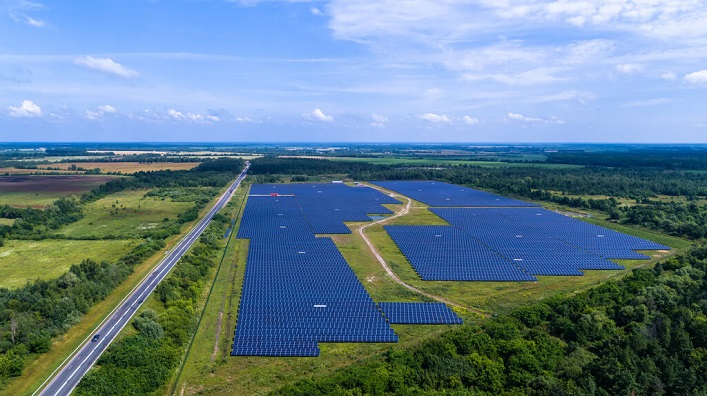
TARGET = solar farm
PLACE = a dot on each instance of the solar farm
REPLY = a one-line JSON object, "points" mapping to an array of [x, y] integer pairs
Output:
{"points": [[298, 290]]}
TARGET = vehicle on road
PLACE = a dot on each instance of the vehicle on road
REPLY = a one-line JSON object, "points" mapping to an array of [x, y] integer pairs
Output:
{"points": [[96, 337]]}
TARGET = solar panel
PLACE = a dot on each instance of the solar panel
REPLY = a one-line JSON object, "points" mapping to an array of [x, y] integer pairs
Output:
{"points": [[298, 290], [434, 193], [418, 313]]}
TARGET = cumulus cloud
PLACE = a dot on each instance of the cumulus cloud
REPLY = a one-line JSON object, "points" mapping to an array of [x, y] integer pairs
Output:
{"points": [[192, 117], [102, 110], [698, 77], [27, 109], [435, 118], [533, 120], [316, 11], [378, 120], [318, 115], [106, 65], [468, 120]]}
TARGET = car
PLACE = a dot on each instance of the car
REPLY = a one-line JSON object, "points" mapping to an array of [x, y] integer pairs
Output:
{"points": [[96, 337]]}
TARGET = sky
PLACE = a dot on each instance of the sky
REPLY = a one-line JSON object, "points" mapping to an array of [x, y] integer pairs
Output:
{"points": [[354, 70]]}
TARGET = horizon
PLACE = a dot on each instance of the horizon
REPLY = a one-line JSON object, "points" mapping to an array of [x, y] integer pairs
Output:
{"points": [[533, 71]]}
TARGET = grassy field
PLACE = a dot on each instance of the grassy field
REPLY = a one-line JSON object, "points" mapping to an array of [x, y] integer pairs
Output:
{"points": [[125, 214], [23, 261], [8, 222], [434, 161], [125, 167], [39, 191], [16, 172]]}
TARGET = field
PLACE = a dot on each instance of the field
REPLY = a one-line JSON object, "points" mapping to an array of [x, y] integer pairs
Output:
{"points": [[125, 167], [7, 222], [23, 261], [210, 370], [16, 172], [39, 191], [125, 215]]}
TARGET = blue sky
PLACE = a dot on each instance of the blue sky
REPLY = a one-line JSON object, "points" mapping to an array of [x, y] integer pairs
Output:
{"points": [[354, 70]]}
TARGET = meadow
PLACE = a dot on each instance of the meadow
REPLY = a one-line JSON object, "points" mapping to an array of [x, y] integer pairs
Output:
{"points": [[436, 162], [39, 191], [125, 214], [24, 261]]}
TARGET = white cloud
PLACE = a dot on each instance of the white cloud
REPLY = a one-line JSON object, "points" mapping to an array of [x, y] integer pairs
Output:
{"points": [[698, 77], [378, 120], [107, 109], [534, 120], [470, 120], [670, 76], [26, 109], [629, 68], [35, 22], [316, 11], [436, 118], [244, 119], [192, 117], [106, 65], [318, 115]]}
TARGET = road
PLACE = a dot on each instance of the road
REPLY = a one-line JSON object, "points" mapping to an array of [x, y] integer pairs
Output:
{"points": [[405, 210], [73, 369]]}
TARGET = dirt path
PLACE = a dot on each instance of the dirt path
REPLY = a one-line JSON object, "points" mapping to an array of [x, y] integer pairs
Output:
{"points": [[405, 210], [218, 333]]}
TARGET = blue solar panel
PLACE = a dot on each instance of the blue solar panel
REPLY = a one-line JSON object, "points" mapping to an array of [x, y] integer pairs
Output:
{"points": [[298, 290], [447, 253], [434, 193], [418, 313]]}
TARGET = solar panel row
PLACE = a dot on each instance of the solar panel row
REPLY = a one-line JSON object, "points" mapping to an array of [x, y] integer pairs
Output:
{"points": [[434, 193], [298, 290], [418, 313]]}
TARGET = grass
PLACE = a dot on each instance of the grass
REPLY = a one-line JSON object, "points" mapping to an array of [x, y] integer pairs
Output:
{"points": [[125, 214], [42, 366], [125, 167], [7, 222], [39, 191], [25, 261]]}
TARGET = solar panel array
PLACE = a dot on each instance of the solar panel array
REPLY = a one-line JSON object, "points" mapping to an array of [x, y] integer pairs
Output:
{"points": [[434, 193], [328, 206], [445, 253], [418, 313], [493, 238], [298, 289]]}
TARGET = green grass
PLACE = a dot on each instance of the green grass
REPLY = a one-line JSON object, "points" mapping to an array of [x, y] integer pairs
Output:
{"points": [[7, 222], [125, 214], [23, 261], [31, 199]]}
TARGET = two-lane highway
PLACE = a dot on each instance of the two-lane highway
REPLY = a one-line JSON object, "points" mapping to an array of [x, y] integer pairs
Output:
{"points": [[71, 372]]}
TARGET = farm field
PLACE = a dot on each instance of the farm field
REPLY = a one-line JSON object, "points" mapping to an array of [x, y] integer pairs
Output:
{"points": [[23, 261], [39, 191], [126, 167], [125, 215], [9, 171]]}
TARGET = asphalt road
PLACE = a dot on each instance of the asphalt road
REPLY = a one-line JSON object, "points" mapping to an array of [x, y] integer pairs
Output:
{"points": [[65, 380]]}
